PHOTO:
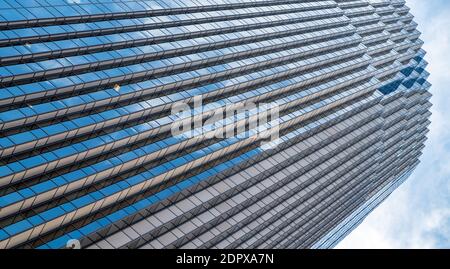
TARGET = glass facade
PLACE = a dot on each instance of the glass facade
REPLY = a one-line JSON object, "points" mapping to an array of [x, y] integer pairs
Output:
{"points": [[86, 92]]}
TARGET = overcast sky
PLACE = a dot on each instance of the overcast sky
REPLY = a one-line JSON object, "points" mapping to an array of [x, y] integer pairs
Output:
{"points": [[417, 215]]}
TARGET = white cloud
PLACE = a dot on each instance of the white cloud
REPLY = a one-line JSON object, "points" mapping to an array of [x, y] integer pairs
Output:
{"points": [[417, 215]]}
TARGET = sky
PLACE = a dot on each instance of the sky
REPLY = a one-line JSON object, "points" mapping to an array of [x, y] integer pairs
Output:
{"points": [[417, 214]]}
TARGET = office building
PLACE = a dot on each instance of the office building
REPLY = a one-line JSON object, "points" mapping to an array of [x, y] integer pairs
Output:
{"points": [[87, 151]]}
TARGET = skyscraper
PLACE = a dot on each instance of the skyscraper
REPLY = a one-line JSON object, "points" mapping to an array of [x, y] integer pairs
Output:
{"points": [[88, 153]]}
